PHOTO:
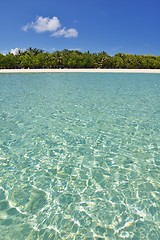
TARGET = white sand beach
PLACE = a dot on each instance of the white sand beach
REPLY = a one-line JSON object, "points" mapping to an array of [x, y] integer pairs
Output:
{"points": [[79, 70]]}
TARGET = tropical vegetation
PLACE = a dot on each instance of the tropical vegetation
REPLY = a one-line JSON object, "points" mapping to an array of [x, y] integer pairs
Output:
{"points": [[36, 58]]}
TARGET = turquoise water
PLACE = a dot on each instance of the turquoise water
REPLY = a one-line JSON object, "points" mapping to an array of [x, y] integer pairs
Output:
{"points": [[79, 156]]}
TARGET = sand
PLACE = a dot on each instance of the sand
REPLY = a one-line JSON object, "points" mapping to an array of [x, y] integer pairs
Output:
{"points": [[79, 70]]}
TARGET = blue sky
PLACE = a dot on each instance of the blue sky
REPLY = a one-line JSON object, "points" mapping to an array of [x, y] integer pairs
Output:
{"points": [[129, 26]]}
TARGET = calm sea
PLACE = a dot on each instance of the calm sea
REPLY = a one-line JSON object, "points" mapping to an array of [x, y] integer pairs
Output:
{"points": [[79, 156]]}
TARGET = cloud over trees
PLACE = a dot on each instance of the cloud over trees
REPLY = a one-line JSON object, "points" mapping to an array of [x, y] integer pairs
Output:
{"points": [[52, 25]]}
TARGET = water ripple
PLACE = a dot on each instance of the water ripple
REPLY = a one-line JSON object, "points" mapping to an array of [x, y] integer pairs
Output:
{"points": [[79, 156]]}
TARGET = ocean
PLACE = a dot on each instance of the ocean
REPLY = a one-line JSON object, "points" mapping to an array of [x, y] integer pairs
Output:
{"points": [[79, 156]]}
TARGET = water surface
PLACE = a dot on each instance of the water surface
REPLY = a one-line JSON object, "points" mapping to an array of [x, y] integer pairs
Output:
{"points": [[79, 156]]}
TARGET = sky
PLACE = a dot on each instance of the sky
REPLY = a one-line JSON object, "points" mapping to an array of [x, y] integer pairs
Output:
{"points": [[113, 26]]}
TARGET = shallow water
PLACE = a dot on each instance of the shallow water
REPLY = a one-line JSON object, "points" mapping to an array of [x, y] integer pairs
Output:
{"points": [[79, 156]]}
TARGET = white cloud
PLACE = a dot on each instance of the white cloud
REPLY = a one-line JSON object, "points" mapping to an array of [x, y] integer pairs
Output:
{"points": [[53, 25], [15, 51], [67, 33], [26, 27], [43, 24], [75, 49]]}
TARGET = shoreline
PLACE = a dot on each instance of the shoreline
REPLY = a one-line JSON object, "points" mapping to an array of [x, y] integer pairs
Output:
{"points": [[80, 70]]}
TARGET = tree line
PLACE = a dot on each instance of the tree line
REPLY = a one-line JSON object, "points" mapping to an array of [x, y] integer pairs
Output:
{"points": [[36, 58]]}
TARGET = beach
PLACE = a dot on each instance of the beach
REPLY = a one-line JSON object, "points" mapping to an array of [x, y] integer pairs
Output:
{"points": [[79, 70]]}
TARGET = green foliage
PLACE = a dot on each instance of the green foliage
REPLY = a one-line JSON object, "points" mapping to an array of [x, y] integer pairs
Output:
{"points": [[36, 58]]}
